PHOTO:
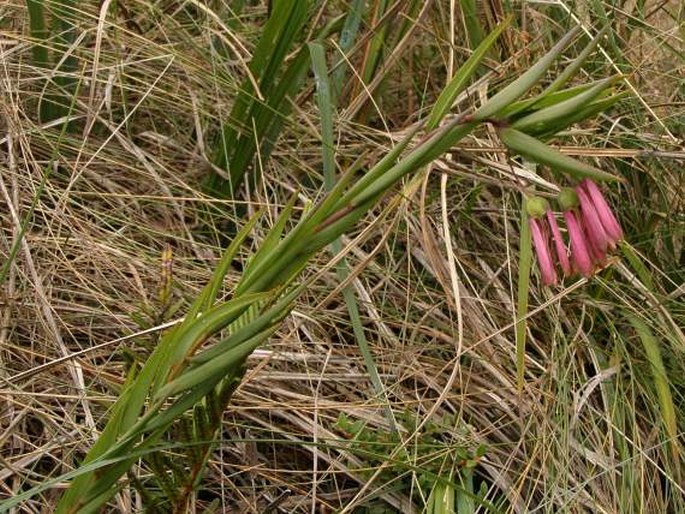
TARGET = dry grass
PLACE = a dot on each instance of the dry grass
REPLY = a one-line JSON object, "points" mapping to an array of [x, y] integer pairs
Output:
{"points": [[97, 207]]}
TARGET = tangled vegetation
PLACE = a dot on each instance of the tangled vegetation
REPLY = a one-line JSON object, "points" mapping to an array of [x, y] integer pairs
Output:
{"points": [[342, 256]]}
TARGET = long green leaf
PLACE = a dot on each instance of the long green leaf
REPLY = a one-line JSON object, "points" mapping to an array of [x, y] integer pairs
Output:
{"points": [[539, 120], [575, 65], [463, 76], [525, 263], [602, 104], [539, 152], [325, 102], [661, 383], [212, 371], [522, 84], [436, 144], [469, 9], [210, 292], [347, 38], [254, 111]]}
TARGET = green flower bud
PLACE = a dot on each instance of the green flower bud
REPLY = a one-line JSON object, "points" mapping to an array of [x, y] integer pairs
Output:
{"points": [[536, 207], [568, 199]]}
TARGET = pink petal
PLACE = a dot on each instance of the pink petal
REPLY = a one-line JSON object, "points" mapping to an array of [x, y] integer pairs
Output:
{"points": [[580, 255], [591, 222], [606, 215], [599, 257], [549, 274], [562, 252]]}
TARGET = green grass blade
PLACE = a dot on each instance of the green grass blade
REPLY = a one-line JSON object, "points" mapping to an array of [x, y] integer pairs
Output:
{"points": [[379, 169], [436, 144], [523, 108], [39, 50], [374, 50], [64, 20], [465, 495], [39, 32], [575, 65], [469, 9], [271, 241], [637, 265], [525, 263], [169, 352], [254, 111], [463, 75], [324, 100], [326, 108], [348, 35], [661, 383], [603, 104], [210, 293], [212, 371], [275, 113]]}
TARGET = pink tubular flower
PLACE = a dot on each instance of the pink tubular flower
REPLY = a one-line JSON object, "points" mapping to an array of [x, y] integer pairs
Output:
{"points": [[604, 212], [540, 242], [562, 252], [596, 235], [580, 254]]}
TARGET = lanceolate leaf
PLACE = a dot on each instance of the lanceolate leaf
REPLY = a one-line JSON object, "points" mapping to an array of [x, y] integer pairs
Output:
{"points": [[575, 65], [539, 152], [566, 109], [601, 104], [522, 85]]}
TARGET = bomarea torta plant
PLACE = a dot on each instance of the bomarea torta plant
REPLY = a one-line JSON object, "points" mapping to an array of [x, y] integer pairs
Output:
{"points": [[185, 374]]}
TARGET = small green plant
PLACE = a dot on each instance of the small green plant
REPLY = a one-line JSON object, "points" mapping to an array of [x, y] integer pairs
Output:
{"points": [[429, 465]]}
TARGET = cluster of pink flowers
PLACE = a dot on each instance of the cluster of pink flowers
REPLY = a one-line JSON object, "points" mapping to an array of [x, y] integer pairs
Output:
{"points": [[593, 231]]}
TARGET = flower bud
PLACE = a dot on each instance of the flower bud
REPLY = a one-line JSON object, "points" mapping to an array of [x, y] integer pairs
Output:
{"points": [[568, 199], [536, 206]]}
